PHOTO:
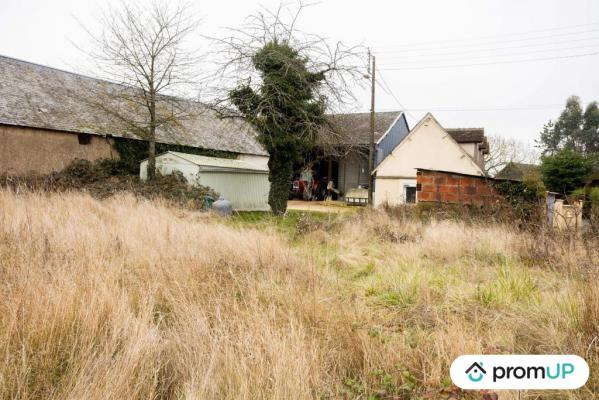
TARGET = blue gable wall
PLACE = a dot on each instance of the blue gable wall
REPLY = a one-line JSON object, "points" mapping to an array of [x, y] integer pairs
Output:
{"points": [[398, 131]]}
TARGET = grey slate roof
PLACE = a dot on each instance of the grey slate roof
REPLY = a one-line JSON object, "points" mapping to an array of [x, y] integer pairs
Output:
{"points": [[354, 128], [37, 96]]}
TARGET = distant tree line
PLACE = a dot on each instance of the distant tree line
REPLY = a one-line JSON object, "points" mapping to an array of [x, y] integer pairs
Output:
{"points": [[575, 129], [570, 147]]}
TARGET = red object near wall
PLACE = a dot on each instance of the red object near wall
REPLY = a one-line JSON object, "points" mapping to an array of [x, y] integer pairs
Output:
{"points": [[454, 188]]}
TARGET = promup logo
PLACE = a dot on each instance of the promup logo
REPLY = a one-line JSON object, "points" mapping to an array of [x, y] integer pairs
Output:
{"points": [[519, 372], [476, 372]]}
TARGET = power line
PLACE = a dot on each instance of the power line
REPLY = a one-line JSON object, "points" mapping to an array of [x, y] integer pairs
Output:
{"points": [[519, 107], [407, 46], [507, 108], [458, 46], [402, 62], [390, 92], [469, 39], [500, 108], [489, 63], [477, 51]]}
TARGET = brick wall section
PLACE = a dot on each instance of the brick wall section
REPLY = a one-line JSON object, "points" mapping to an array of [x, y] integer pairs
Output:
{"points": [[448, 187]]}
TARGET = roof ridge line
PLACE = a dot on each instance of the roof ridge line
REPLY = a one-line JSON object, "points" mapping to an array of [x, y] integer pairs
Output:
{"points": [[466, 128], [20, 60], [96, 79]]}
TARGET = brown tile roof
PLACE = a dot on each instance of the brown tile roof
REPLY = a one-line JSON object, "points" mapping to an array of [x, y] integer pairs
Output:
{"points": [[470, 135], [42, 97], [467, 135]]}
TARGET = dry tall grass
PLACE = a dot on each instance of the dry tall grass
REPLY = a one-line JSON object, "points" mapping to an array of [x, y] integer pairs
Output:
{"points": [[131, 299]]}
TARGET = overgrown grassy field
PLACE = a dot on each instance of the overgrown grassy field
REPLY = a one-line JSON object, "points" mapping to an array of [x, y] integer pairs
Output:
{"points": [[129, 299]]}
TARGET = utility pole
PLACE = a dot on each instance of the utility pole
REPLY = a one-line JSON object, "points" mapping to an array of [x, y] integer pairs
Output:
{"points": [[371, 147]]}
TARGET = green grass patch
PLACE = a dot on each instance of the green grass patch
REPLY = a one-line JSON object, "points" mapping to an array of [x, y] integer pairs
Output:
{"points": [[287, 224], [365, 272], [400, 298], [511, 285]]}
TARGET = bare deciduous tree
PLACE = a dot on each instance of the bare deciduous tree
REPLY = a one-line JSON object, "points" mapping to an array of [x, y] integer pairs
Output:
{"points": [[341, 65], [505, 150], [144, 50]]}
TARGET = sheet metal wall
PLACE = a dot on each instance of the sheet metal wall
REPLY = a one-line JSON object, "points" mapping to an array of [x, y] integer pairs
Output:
{"points": [[246, 190]]}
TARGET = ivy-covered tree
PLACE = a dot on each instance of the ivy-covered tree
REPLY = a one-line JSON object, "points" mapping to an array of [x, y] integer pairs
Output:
{"points": [[566, 170], [285, 109], [284, 82], [574, 129]]}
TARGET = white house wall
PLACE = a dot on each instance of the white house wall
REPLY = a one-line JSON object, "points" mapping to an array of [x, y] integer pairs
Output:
{"points": [[474, 152], [392, 191], [428, 146], [471, 149]]}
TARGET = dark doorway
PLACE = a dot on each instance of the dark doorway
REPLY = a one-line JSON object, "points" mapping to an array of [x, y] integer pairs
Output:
{"points": [[410, 194]]}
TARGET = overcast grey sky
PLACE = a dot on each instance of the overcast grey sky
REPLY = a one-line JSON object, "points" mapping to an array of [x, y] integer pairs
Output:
{"points": [[425, 51]]}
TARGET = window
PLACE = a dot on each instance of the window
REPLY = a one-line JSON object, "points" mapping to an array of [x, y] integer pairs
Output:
{"points": [[410, 194], [84, 138]]}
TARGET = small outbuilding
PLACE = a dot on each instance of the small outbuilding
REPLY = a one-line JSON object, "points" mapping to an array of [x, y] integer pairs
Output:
{"points": [[428, 146], [245, 184]]}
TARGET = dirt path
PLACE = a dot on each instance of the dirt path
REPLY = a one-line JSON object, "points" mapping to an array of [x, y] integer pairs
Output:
{"points": [[319, 206]]}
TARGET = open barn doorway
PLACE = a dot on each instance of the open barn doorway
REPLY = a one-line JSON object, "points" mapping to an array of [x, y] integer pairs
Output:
{"points": [[316, 180]]}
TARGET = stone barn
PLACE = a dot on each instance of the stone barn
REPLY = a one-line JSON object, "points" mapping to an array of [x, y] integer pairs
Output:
{"points": [[49, 117]]}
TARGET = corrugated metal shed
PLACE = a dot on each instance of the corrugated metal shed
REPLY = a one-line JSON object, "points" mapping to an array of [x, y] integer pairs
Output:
{"points": [[243, 183]]}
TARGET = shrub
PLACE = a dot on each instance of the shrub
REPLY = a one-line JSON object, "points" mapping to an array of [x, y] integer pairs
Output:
{"points": [[525, 198], [566, 170], [593, 201], [594, 196], [105, 177]]}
